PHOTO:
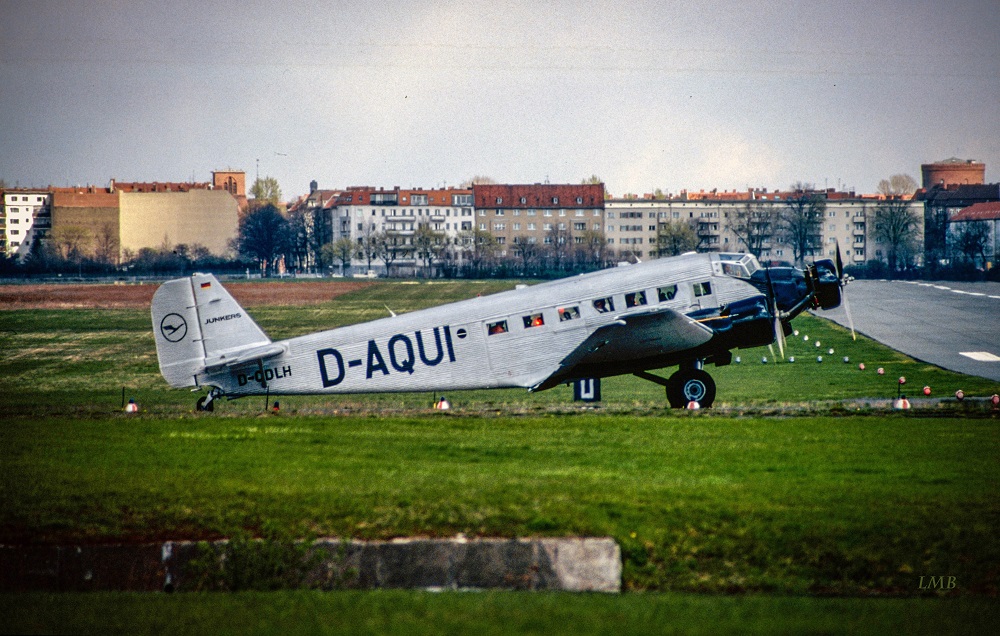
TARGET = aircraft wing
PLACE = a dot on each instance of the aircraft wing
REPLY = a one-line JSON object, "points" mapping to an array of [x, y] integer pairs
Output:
{"points": [[648, 334]]}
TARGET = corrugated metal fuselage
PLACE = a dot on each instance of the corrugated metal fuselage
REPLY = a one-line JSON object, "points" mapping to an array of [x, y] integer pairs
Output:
{"points": [[462, 346]]}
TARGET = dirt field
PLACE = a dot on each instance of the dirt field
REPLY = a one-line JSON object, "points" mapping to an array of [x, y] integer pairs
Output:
{"points": [[140, 295]]}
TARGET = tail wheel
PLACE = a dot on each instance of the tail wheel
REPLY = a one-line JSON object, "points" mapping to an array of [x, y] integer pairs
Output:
{"points": [[690, 385]]}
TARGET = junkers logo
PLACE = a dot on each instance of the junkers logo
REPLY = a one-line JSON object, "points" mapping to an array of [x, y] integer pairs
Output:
{"points": [[173, 327], [209, 321]]}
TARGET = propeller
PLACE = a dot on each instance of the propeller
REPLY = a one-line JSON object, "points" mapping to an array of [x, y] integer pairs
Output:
{"points": [[843, 292], [779, 330]]}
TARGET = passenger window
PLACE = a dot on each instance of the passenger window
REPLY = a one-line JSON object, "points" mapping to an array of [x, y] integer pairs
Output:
{"points": [[569, 313], [635, 299], [494, 328], [534, 320], [702, 289], [604, 305], [667, 293]]}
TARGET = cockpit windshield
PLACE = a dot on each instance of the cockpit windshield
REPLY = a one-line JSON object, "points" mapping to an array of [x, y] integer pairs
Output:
{"points": [[737, 265]]}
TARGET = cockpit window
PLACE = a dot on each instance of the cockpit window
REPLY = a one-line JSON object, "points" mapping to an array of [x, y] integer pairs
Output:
{"points": [[666, 293], [634, 299], [734, 269], [569, 313], [737, 265], [534, 320], [493, 328], [604, 305]]}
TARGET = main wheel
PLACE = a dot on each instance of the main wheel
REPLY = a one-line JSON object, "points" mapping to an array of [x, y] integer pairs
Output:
{"points": [[204, 404], [690, 385]]}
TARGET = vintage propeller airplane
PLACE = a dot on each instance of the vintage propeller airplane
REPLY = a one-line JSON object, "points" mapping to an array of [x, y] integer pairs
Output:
{"points": [[684, 311]]}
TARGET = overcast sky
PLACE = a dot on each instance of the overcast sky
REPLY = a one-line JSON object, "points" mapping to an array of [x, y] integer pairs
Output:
{"points": [[681, 94]]}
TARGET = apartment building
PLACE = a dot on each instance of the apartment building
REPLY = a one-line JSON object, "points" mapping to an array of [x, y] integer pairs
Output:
{"points": [[361, 212], [715, 217], [24, 215], [632, 225], [113, 222], [539, 214]]}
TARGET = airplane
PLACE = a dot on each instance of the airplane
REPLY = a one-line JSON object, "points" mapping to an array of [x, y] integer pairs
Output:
{"points": [[685, 311]]}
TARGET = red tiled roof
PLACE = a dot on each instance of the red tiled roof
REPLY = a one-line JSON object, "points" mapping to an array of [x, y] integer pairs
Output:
{"points": [[539, 195], [77, 199], [989, 211]]}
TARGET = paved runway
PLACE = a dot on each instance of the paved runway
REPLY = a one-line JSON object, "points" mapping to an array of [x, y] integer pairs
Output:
{"points": [[933, 322]]}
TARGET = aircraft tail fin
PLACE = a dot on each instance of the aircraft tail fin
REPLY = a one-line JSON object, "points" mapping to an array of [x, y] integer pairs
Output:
{"points": [[197, 325]]}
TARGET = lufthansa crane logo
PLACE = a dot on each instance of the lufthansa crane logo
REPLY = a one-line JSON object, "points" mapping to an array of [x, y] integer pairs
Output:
{"points": [[173, 327]]}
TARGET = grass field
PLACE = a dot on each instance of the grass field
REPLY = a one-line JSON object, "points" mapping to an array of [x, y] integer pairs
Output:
{"points": [[397, 612], [800, 483], [59, 361]]}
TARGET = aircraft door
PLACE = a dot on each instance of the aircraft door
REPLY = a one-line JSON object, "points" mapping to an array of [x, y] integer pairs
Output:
{"points": [[472, 362], [703, 295]]}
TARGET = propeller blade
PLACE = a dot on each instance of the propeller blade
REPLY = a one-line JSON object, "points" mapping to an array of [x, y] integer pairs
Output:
{"points": [[779, 331], [843, 291], [847, 310]]}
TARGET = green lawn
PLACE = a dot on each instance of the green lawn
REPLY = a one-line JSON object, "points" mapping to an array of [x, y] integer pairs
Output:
{"points": [[61, 361], [399, 612], [845, 505]]}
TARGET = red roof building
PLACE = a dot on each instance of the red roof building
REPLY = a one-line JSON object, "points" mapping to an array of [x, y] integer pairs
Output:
{"points": [[989, 211]]}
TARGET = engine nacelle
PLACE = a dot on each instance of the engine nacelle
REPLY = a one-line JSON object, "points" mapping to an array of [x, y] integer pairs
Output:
{"points": [[826, 283]]}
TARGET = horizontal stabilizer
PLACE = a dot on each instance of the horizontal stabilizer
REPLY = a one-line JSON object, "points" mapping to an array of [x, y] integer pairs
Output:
{"points": [[241, 356]]}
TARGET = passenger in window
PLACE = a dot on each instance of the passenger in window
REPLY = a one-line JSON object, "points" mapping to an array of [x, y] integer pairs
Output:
{"points": [[497, 327], [667, 293], [635, 299], [604, 305], [534, 320], [569, 313]]}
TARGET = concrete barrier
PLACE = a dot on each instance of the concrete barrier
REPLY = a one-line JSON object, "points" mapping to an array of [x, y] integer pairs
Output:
{"points": [[570, 564]]}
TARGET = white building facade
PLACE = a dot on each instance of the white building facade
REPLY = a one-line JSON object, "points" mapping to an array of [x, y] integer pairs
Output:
{"points": [[26, 213]]}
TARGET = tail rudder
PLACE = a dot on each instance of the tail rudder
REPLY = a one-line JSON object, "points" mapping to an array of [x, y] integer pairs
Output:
{"points": [[197, 323], [176, 328]]}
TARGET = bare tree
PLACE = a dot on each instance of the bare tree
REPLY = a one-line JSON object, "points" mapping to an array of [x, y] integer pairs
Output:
{"points": [[106, 245], [754, 225], [427, 246], [478, 180], [478, 248], [801, 219], [70, 242], [308, 232], [593, 246], [971, 238], [559, 245], [528, 252], [896, 226], [390, 246], [369, 244], [897, 185]]}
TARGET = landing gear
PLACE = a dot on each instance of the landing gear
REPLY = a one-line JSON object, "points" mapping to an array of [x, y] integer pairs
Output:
{"points": [[690, 385], [207, 402]]}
